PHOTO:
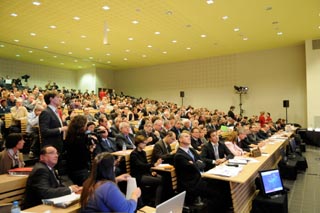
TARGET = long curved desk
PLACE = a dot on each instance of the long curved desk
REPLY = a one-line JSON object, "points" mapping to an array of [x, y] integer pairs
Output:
{"points": [[242, 186]]}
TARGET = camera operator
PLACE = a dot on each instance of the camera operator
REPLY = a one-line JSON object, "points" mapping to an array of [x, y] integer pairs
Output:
{"points": [[106, 144], [79, 147]]}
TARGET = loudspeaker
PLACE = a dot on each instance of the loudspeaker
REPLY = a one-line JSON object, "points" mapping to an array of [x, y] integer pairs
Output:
{"points": [[181, 94], [286, 103]]}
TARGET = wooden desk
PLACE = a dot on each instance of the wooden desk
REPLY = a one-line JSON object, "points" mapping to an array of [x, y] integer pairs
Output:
{"points": [[172, 172], [242, 186], [146, 209], [46, 208], [12, 188]]}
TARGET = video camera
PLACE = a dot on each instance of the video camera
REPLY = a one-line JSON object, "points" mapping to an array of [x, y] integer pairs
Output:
{"points": [[92, 140]]}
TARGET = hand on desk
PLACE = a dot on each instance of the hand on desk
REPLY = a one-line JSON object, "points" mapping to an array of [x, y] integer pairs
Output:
{"points": [[220, 161], [76, 189]]}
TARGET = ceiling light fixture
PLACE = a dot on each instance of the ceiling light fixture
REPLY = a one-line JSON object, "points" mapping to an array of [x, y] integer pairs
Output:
{"points": [[33, 34], [135, 22], [17, 55], [105, 33], [164, 52], [1, 45], [13, 14], [62, 42], [77, 18], [125, 59], [149, 46], [236, 29], [225, 17], [30, 51], [245, 39], [41, 59], [188, 48], [106, 7], [279, 33], [45, 47], [203, 36], [130, 39], [83, 36], [70, 53], [144, 56], [210, 1], [16, 40], [88, 48], [174, 41], [36, 3], [53, 27], [157, 33]]}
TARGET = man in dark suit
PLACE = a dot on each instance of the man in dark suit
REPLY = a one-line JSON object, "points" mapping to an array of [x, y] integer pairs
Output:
{"points": [[106, 144], [196, 142], [188, 166], [162, 149], [125, 137], [231, 113], [50, 123], [147, 133], [43, 182], [101, 112], [209, 154]]}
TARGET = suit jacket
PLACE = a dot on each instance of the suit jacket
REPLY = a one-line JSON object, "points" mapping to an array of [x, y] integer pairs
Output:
{"points": [[262, 134], [253, 138], [160, 151], [196, 143], [188, 174], [154, 137], [176, 131], [207, 154], [49, 125], [121, 138], [103, 146], [42, 183]]}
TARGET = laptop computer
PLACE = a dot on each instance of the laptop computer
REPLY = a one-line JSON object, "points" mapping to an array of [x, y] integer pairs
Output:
{"points": [[173, 205], [271, 183]]}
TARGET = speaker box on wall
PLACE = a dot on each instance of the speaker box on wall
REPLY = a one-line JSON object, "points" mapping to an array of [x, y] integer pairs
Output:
{"points": [[181, 94], [285, 103]]}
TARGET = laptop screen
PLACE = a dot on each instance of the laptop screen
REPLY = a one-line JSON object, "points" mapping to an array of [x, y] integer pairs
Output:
{"points": [[271, 182], [173, 205]]}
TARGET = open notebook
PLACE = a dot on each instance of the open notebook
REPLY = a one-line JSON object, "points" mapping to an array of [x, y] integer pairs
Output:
{"points": [[173, 205]]}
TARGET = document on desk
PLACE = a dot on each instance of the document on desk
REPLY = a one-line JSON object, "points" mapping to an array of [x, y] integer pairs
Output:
{"points": [[131, 186], [225, 171], [63, 201]]}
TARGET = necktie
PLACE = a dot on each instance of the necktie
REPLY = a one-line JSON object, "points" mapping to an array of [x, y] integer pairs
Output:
{"points": [[55, 176], [57, 113], [107, 142], [128, 138], [191, 155], [168, 149], [216, 152]]}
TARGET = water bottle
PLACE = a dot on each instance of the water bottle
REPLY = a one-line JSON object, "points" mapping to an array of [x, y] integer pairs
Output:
{"points": [[124, 147], [15, 207]]}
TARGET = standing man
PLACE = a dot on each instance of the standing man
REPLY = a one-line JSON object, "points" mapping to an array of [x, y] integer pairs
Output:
{"points": [[51, 126], [231, 113]]}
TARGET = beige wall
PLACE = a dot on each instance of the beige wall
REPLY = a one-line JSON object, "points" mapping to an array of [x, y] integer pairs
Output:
{"points": [[39, 74], [313, 85], [271, 75]]}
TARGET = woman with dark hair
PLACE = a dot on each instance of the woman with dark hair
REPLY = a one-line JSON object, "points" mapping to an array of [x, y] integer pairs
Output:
{"points": [[78, 151], [100, 191], [11, 157], [141, 169]]}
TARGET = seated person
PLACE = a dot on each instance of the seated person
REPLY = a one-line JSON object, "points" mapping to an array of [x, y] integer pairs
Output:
{"points": [[10, 157], [43, 182], [215, 152], [148, 133], [141, 169], [100, 191], [231, 143], [162, 149]]}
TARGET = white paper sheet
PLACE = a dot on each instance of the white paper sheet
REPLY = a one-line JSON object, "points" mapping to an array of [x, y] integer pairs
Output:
{"points": [[131, 186]]}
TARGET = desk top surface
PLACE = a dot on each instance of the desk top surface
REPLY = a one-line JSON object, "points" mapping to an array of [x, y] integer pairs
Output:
{"points": [[52, 209]]}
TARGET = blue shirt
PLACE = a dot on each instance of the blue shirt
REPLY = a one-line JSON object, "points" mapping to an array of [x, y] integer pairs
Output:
{"points": [[109, 198]]}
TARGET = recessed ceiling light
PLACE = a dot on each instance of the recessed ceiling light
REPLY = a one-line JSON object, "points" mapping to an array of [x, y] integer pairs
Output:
{"points": [[53, 27], [149, 46], [17, 55], [318, 27], [279, 33], [33, 34], [210, 1], [36, 3], [14, 14], [55, 56], [108, 54], [144, 56], [93, 65], [62, 63], [75, 60], [164, 52], [174, 41], [203, 36], [135, 22], [79, 66], [30, 51], [77, 18], [70, 53], [109, 62], [88, 48], [225, 17], [130, 39], [83, 36], [41, 59], [90, 57], [106, 7], [188, 48], [125, 59], [16, 40], [245, 39], [157, 33], [127, 50], [1, 45], [236, 29], [45, 47], [62, 42]]}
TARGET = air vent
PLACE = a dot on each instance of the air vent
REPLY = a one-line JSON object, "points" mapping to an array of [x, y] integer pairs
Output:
{"points": [[316, 44]]}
